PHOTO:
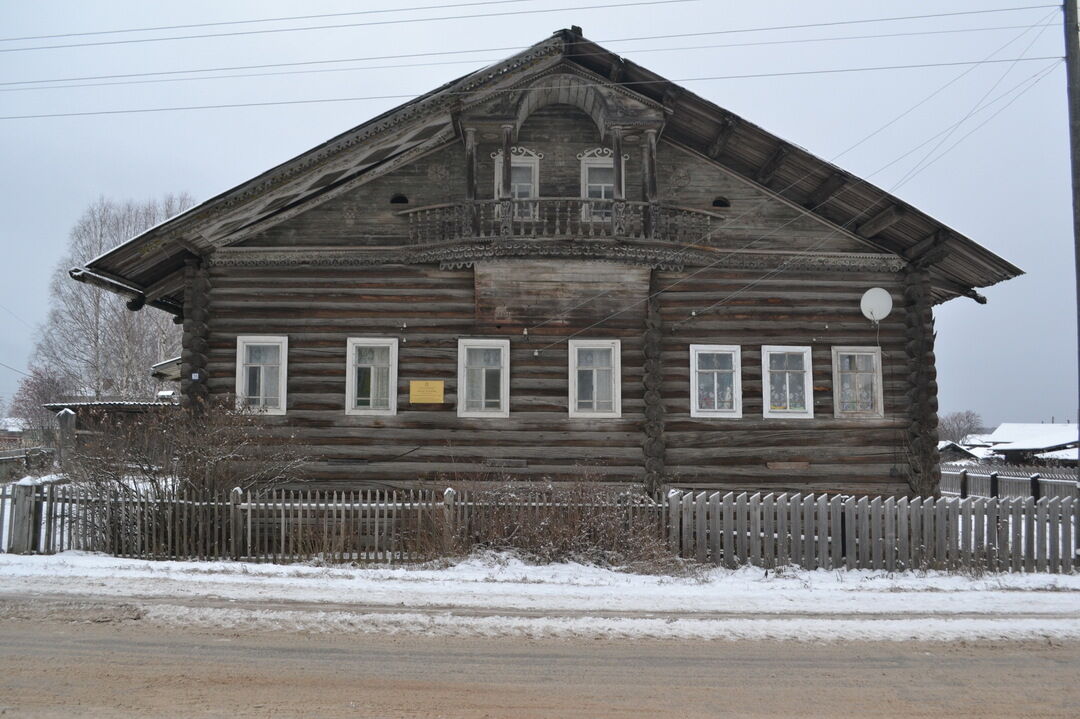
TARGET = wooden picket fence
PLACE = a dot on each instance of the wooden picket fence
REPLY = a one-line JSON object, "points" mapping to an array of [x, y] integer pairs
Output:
{"points": [[837, 532], [358, 526], [1009, 482], [388, 526]]}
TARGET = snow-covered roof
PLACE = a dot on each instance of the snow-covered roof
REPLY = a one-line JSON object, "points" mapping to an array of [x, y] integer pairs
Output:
{"points": [[1016, 436], [57, 406], [167, 369], [975, 440], [949, 444], [12, 424], [1072, 454]]}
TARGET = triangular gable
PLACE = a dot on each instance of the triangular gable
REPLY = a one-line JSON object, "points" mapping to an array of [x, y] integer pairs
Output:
{"points": [[843, 202]]}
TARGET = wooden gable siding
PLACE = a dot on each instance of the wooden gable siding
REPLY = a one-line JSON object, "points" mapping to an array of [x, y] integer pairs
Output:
{"points": [[318, 308], [688, 180], [365, 216], [804, 308]]}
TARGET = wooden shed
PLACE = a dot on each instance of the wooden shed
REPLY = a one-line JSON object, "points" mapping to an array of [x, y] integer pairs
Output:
{"points": [[564, 266]]}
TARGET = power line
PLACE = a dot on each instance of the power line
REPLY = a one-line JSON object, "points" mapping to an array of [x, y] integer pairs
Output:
{"points": [[25, 374], [229, 68], [273, 103], [266, 19], [20, 319], [1035, 79], [76, 84], [914, 170], [637, 3]]}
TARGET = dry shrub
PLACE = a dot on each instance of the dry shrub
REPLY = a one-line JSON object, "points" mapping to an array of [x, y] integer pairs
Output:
{"points": [[579, 521], [168, 449]]}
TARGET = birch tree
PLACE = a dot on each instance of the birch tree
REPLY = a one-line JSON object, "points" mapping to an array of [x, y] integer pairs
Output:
{"points": [[90, 338]]}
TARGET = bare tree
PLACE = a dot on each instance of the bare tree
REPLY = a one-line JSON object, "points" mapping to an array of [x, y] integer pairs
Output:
{"points": [[957, 425], [39, 388], [90, 337]]}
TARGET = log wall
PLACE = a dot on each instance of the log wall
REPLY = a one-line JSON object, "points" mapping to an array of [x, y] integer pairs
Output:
{"points": [[318, 308], [793, 308]]}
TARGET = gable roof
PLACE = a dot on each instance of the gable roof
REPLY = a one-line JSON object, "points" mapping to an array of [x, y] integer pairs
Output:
{"points": [[149, 267]]}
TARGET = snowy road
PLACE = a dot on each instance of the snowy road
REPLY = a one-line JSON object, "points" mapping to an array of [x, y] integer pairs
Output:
{"points": [[109, 664], [495, 595]]}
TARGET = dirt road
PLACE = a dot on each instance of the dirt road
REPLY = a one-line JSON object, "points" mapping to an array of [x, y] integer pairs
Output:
{"points": [[108, 663]]}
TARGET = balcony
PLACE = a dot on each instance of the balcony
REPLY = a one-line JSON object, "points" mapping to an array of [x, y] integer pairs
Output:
{"points": [[559, 218]]}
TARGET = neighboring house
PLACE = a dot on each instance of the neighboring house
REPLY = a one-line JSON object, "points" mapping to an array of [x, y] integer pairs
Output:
{"points": [[1021, 443], [12, 432], [1066, 457], [564, 266], [950, 451]]}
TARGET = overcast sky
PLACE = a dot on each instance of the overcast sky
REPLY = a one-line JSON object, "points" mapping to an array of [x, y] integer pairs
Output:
{"points": [[1005, 185]]}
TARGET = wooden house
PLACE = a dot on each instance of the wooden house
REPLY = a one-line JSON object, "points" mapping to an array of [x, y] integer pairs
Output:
{"points": [[565, 266]]}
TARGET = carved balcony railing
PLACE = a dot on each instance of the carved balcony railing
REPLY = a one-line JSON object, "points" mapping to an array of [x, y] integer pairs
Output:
{"points": [[559, 218]]}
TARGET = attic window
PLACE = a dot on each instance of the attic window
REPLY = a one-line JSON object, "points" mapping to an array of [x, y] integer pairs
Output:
{"points": [[399, 199], [721, 202]]}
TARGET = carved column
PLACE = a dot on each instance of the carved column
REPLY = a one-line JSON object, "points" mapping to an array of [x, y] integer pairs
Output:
{"points": [[654, 446], [618, 207], [472, 225], [506, 209], [648, 178], [922, 436], [193, 386]]}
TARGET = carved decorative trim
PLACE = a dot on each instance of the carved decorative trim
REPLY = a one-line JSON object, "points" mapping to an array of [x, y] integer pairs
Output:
{"points": [[572, 69], [518, 151], [464, 253], [599, 152]]}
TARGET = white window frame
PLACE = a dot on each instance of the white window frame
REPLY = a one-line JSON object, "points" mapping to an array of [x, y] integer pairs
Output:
{"points": [[879, 395], [242, 341], [808, 382], [736, 364], [616, 377], [504, 378], [350, 374], [532, 161], [596, 158]]}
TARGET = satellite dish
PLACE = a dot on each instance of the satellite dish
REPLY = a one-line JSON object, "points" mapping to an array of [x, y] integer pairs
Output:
{"points": [[876, 304]]}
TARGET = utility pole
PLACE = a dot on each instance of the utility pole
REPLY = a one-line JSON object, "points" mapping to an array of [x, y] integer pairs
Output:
{"points": [[1072, 81]]}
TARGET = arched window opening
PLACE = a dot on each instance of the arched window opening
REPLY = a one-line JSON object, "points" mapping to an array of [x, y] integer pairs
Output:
{"points": [[721, 202], [399, 199]]}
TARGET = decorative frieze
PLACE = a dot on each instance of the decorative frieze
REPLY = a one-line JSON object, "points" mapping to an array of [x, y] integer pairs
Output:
{"points": [[463, 253]]}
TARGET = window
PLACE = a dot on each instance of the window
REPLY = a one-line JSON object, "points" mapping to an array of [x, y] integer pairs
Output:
{"points": [[597, 183], [857, 382], [483, 378], [787, 389], [261, 367], [595, 378], [371, 375], [715, 381], [524, 180]]}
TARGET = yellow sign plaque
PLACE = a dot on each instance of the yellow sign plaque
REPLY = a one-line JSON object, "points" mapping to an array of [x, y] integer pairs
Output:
{"points": [[425, 391]]}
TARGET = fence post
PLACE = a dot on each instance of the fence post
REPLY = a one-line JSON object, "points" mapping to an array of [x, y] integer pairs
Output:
{"points": [[1036, 490], [993, 484], [449, 497], [22, 518], [235, 525], [673, 498], [963, 484]]}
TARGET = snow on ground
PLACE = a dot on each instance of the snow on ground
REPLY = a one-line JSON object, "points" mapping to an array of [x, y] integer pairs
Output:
{"points": [[498, 595]]}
